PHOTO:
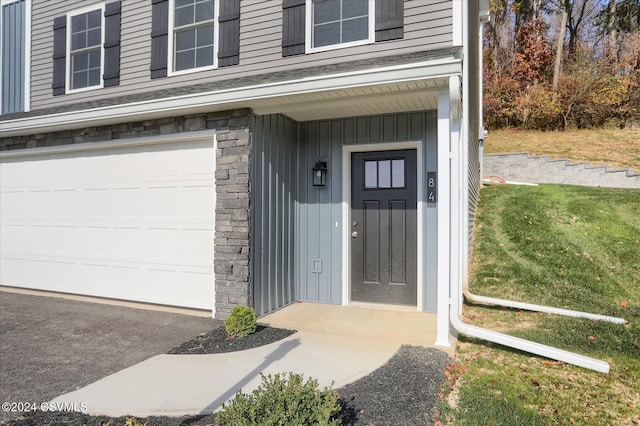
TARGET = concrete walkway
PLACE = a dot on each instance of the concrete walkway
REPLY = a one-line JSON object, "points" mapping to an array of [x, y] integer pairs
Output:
{"points": [[334, 344]]}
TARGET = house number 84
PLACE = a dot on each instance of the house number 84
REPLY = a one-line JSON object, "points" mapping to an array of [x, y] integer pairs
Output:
{"points": [[432, 182]]}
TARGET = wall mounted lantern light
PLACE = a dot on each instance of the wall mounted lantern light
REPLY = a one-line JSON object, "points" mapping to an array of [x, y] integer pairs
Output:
{"points": [[320, 174]]}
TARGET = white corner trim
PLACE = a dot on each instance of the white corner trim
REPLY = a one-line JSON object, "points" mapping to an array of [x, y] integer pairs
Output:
{"points": [[204, 135], [347, 150], [27, 59], [241, 96], [444, 221]]}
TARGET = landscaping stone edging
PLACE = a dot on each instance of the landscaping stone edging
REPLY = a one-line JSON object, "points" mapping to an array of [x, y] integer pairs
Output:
{"points": [[524, 167]]}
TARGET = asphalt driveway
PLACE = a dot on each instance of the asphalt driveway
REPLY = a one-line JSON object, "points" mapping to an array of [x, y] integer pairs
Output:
{"points": [[50, 346]]}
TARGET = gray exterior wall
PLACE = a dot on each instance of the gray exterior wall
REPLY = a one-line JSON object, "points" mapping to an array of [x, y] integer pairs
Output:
{"points": [[320, 208], [427, 26], [274, 171]]}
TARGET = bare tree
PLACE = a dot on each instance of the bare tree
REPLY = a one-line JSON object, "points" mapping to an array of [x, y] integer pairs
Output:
{"points": [[499, 38], [612, 30], [577, 11], [557, 67]]}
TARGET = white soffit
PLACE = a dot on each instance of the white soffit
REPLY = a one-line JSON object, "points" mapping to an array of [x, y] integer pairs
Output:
{"points": [[391, 98]]}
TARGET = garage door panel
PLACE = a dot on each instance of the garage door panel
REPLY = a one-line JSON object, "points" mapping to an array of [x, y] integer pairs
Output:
{"points": [[192, 242], [162, 244], [160, 204], [133, 223], [191, 205]]}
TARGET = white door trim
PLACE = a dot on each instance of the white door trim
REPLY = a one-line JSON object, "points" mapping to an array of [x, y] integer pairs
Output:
{"points": [[347, 150]]}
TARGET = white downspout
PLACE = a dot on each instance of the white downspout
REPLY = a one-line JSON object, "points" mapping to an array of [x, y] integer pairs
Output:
{"points": [[457, 233], [539, 308], [526, 345]]}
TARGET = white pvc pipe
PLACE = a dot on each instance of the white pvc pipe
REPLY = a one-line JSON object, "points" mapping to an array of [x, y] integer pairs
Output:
{"points": [[540, 308], [526, 345], [458, 223]]}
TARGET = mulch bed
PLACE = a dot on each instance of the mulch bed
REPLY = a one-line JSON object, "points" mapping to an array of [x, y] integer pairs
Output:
{"points": [[404, 391], [216, 341]]}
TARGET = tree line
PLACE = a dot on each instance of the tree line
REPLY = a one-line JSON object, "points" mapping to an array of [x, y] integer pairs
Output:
{"points": [[555, 64]]}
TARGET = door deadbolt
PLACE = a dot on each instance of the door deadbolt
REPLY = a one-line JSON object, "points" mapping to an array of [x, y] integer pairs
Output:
{"points": [[354, 234]]}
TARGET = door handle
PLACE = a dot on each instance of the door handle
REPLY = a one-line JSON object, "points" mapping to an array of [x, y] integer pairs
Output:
{"points": [[354, 234]]}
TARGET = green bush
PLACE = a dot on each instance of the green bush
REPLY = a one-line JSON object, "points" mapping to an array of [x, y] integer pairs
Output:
{"points": [[282, 399], [241, 322]]}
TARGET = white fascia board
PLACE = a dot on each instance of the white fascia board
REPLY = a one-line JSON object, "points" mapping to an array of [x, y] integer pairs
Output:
{"points": [[236, 97]]}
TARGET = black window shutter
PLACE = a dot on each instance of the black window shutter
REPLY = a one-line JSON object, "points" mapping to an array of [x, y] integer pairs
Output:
{"points": [[293, 18], [229, 33], [111, 74], [159, 37], [389, 20], [59, 55]]}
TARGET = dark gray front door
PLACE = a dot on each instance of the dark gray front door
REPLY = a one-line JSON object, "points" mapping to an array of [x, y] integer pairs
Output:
{"points": [[384, 227]]}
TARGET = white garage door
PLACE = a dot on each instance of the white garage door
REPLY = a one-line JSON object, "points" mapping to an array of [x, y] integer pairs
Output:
{"points": [[129, 222]]}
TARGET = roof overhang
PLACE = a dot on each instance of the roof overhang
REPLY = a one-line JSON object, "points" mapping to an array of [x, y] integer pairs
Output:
{"points": [[402, 87]]}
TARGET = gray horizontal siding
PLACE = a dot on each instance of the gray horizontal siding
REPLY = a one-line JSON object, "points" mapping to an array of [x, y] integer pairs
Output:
{"points": [[428, 25]]}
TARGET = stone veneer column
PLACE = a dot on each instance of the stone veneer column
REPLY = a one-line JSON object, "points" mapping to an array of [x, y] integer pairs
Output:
{"points": [[232, 227]]}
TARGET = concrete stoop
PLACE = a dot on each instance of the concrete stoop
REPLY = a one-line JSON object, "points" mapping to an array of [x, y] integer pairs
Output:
{"points": [[524, 167]]}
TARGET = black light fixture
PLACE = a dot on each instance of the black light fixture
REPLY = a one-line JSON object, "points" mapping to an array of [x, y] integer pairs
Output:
{"points": [[320, 174]]}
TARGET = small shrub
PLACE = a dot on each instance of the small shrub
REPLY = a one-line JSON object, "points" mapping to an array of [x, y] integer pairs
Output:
{"points": [[241, 322], [132, 421], [282, 399]]}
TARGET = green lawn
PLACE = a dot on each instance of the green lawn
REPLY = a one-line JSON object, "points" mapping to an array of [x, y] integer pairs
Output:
{"points": [[565, 246]]}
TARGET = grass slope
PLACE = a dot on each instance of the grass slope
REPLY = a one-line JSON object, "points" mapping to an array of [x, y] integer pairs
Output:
{"points": [[617, 147], [565, 246]]}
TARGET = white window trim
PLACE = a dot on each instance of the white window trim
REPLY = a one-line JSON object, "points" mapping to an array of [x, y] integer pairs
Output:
{"points": [[170, 45], [70, 15], [309, 30], [27, 54]]}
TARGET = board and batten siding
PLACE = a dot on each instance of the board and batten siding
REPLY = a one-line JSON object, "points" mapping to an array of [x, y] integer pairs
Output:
{"points": [[319, 225], [274, 187], [427, 26]]}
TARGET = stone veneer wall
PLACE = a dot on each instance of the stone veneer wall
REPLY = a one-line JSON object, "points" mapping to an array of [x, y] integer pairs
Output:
{"points": [[233, 185], [233, 189]]}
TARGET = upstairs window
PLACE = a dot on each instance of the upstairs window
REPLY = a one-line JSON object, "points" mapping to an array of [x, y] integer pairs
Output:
{"points": [[85, 50], [193, 26], [339, 23], [310, 26], [193, 35]]}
